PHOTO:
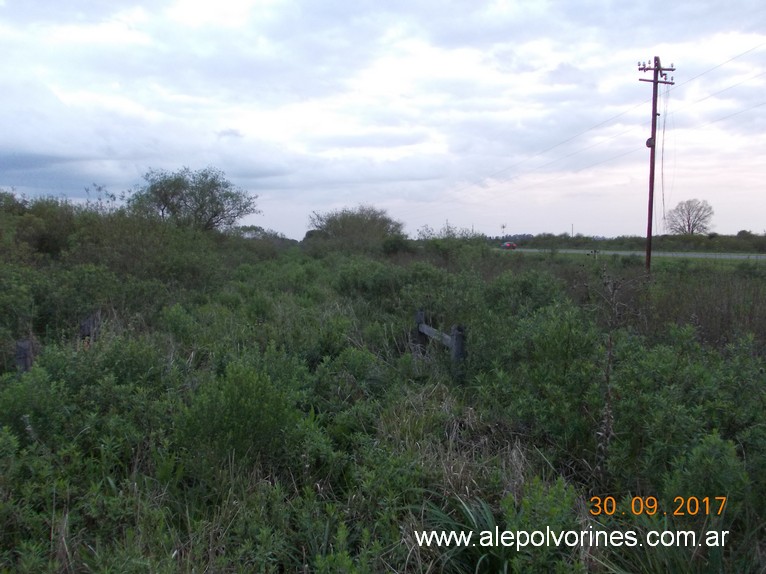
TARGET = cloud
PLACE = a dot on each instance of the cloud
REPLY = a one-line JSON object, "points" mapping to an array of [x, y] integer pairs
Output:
{"points": [[230, 133], [472, 112], [11, 161]]}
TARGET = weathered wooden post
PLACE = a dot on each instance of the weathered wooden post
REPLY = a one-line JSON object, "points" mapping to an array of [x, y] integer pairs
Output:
{"points": [[89, 328], [25, 355], [420, 338], [458, 343], [455, 341]]}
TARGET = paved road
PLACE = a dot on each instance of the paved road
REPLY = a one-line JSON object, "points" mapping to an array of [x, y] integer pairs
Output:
{"points": [[689, 255]]}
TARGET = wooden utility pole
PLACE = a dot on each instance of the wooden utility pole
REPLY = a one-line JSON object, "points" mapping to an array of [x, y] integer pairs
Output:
{"points": [[660, 77]]}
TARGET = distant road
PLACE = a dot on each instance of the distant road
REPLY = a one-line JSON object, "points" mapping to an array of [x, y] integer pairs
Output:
{"points": [[642, 254]]}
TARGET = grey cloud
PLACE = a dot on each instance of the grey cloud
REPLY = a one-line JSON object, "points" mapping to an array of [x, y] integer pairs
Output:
{"points": [[370, 139], [11, 162], [184, 81]]}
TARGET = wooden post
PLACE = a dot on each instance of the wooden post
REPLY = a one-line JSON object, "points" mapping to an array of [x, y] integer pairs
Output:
{"points": [[660, 77], [457, 347], [421, 339], [25, 355], [89, 329], [455, 341]]}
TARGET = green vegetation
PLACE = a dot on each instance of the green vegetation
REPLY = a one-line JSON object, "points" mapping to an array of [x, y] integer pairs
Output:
{"points": [[743, 242], [204, 199], [253, 404], [364, 229]]}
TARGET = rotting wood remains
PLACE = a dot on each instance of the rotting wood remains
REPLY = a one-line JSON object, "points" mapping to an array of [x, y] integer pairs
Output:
{"points": [[455, 341]]}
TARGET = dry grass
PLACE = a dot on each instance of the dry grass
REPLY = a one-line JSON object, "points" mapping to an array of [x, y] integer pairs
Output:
{"points": [[465, 454]]}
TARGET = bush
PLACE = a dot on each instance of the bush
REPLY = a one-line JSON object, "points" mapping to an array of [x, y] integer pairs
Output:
{"points": [[364, 229], [711, 468], [245, 415], [558, 382], [373, 280], [512, 294], [47, 226]]}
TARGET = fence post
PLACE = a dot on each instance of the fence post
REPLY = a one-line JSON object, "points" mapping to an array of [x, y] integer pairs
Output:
{"points": [[421, 339], [455, 341], [457, 348], [89, 329], [25, 355]]}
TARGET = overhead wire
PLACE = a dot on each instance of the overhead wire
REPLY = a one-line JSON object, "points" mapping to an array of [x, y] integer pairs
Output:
{"points": [[594, 164], [603, 123], [727, 88], [493, 175], [582, 150], [746, 52], [607, 121], [666, 98], [737, 113]]}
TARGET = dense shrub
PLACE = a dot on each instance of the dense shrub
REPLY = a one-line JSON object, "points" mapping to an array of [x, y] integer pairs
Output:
{"points": [[268, 410], [364, 229], [47, 225], [244, 414]]}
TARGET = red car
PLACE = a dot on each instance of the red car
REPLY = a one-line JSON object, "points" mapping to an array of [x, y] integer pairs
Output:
{"points": [[508, 245]]}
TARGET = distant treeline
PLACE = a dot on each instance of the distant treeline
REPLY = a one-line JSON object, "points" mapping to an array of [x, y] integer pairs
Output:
{"points": [[742, 242]]}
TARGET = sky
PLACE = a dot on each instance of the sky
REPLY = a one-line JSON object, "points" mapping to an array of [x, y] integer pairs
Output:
{"points": [[504, 116]]}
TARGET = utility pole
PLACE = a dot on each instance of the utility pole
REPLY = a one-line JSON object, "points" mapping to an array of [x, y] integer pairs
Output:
{"points": [[660, 77]]}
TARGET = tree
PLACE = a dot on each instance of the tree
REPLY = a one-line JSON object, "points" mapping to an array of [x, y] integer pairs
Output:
{"points": [[203, 199], [10, 204], [361, 229], [690, 217]]}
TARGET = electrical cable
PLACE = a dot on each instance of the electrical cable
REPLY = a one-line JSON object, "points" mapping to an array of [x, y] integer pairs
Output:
{"points": [[676, 86], [559, 144], [669, 88], [732, 115], [666, 98], [604, 122]]}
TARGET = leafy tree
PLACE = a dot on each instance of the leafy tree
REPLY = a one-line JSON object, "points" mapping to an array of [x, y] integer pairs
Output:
{"points": [[203, 199], [363, 229], [690, 217], [47, 225], [10, 204]]}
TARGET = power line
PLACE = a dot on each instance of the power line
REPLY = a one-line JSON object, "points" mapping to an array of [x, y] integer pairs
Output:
{"points": [[732, 115], [559, 144], [719, 65], [526, 160], [578, 152], [607, 121], [666, 115], [662, 148], [728, 88], [590, 165]]}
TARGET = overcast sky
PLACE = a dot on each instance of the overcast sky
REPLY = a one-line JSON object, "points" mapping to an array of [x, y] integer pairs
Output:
{"points": [[527, 114]]}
